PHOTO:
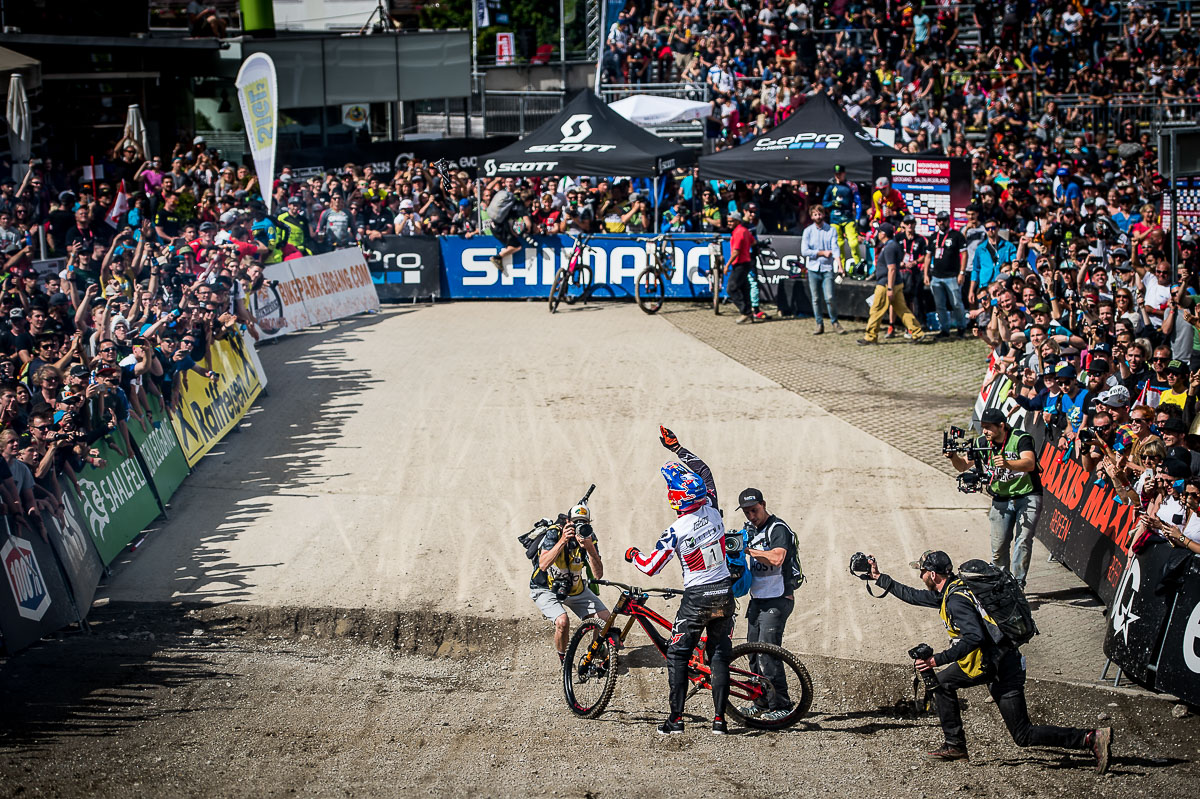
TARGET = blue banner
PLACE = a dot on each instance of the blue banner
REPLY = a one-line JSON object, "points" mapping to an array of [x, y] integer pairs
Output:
{"points": [[615, 261]]}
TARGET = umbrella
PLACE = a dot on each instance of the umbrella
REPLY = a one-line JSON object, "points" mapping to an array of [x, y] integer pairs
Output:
{"points": [[135, 131], [648, 110], [20, 133]]}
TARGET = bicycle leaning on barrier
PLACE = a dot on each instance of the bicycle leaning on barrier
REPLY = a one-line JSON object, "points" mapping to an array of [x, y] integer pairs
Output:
{"points": [[576, 274], [592, 661], [650, 286]]}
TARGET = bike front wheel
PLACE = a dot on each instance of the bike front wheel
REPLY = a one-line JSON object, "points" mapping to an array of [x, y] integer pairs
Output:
{"points": [[714, 283], [559, 290], [758, 674], [650, 290], [589, 686]]}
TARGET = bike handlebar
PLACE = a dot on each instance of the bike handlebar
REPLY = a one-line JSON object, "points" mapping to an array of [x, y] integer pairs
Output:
{"points": [[665, 593]]}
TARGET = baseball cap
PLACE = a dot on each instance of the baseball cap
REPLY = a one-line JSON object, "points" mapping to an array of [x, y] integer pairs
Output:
{"points": [[933, 560], [198, 140], [1177, 368], [735, 216], [750, 497], [16, 313], [59, 299], [993, 416], [1064, 370], [943, 216], [1098, 367], [406, 203], [296, 200], [1115, 397], [839, 168], [886, 228], [1177, 468], [908, 219], [207, 226], [1173, 425], [1039, 307], [78, 370]]}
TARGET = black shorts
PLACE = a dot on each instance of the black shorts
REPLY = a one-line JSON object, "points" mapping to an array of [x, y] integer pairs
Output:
{"points": [[504, 233]]}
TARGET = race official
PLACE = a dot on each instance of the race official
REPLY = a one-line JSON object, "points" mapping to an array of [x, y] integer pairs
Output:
{"points": [[945, 271], [558, 583], [775, 575], [979, 654], [698, 537], [1016, 491]]}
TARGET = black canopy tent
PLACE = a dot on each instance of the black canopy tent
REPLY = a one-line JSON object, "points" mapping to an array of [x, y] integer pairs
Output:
{"points": [[588, 138], [804, 147]]}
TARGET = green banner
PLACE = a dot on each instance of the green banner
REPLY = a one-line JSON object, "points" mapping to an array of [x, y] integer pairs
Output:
{"points": [[116, 501], [161, 454]]}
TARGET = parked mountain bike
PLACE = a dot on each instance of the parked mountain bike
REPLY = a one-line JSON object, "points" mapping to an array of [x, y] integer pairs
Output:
{"points": [[591, 665], [716, 273], [650, 287], [576, 274]]}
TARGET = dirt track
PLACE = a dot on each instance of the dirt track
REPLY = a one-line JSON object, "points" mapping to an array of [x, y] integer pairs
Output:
{"points": [[215, 706], [389, 472]]}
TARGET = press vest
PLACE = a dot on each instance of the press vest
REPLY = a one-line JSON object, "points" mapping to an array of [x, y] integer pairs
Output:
{"points": [[972, 662], [1006, 483], [295, 231]]}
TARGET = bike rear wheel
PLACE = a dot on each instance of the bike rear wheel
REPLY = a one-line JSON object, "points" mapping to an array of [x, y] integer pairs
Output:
{"points": [[589, 688], [748, 685], [559, 290], [650, 290], [714, 283]]}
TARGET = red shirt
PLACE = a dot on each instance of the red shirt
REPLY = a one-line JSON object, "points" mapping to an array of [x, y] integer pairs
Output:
{"points": [[739, 245]]}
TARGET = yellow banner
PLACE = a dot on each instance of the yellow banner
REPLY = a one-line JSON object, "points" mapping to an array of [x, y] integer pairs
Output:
{"points": [[208, 410]]}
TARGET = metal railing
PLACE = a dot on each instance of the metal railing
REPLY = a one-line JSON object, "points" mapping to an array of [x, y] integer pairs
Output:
{"points": [[518, 113]]}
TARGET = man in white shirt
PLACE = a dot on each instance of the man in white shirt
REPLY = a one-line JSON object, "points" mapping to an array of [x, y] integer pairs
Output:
{"points": [[822, 256]]}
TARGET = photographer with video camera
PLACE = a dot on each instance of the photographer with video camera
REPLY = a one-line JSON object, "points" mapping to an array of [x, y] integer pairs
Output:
{"points": [[981, 652], [1009, 459], [567, 548]]}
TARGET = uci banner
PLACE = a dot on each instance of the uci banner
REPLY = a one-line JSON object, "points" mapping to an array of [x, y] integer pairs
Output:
{"points": [[116, 500], [258, 93], [209, 409], [615, 262]]}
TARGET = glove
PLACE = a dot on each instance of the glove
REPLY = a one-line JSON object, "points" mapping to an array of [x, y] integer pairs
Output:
{"points": [[629, 553], [668, 439]]}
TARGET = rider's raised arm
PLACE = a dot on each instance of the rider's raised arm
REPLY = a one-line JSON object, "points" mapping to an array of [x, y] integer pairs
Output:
{"points": [[652, 563], [689, 459]]}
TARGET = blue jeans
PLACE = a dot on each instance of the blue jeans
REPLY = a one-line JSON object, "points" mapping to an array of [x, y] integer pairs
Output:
{"points": [[1013, 521], [946, 291], [823, 280]]}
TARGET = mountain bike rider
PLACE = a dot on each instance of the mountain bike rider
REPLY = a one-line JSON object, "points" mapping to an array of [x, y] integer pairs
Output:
{"points": [[698, 537]]}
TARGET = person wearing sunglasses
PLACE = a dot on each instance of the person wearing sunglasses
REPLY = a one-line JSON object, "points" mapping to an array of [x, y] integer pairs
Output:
{"points": [[990, 257]]}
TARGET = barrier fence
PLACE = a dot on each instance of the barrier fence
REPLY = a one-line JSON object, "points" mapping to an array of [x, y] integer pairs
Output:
{"points": [[51, 583], [1153, 597]]}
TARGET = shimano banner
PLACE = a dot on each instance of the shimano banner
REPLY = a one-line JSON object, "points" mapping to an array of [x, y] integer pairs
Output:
{"points": [[615, 262], [405, 267]]}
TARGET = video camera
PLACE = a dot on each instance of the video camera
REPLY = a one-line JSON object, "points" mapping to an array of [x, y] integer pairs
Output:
{"points": [[955, 441], [958, 441]]}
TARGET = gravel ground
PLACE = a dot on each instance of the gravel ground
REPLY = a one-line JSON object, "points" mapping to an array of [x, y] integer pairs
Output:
{"points": [[179, 702]]}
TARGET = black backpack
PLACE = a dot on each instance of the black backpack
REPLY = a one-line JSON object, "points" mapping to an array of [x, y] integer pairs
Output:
{"points": [[1000, 596], [532, 540]]}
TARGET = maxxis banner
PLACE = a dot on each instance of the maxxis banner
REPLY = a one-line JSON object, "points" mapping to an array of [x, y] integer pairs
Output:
{"points": [[208, 410]]}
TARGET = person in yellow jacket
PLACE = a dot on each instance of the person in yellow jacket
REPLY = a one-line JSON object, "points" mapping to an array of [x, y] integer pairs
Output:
{"points": [[979, 656]]}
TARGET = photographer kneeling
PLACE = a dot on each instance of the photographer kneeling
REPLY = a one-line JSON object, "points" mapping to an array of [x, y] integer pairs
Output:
{"points": [[1015, 488], [557, 582], [979, 654]]}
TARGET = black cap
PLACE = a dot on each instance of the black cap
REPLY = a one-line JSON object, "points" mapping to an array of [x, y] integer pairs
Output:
{"points": [[207, 226], [909, 219], [1177, 468], [933, 560], [839, 168], [993, 416], [1098, 367], [943, 216], [886, 228], [750, 497]]}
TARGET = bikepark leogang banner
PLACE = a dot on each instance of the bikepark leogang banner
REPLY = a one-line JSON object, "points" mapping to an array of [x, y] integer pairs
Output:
{"points": [[209, 409], [615, 262], [116, 500], [310, 291], [405, 267]]}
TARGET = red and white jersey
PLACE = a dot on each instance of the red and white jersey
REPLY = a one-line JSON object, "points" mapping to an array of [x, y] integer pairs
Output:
{"points": [[699, 540]]}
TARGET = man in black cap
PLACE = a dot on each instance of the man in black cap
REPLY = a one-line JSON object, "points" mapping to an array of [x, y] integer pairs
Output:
{"points": [[842, 201], [1015, 487], [979, 656], [1174, 435], [774, 576], [889, 289], [945, 270]]}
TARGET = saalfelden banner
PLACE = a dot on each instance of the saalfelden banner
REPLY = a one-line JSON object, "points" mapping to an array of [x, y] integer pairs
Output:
{"points": [[1082, 523], [34, 599], [405, 267], [159, 450], [116, 500], [210, 409]]}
